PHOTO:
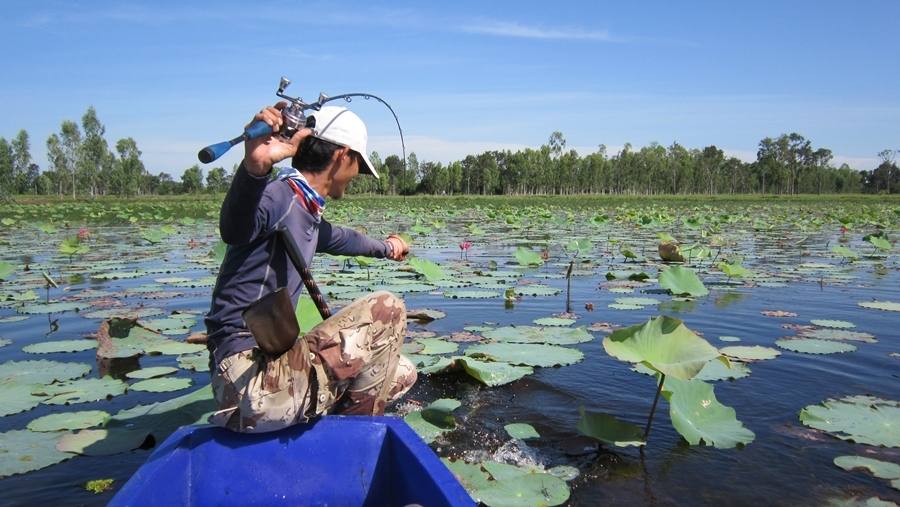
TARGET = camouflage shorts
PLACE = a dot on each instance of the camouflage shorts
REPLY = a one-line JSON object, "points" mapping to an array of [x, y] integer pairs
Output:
{"points": [[348, 364]]}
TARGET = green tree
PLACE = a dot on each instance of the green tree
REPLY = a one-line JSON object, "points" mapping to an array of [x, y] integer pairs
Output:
{"points": [[94, 151], [21, 159], [192, 180], [217, 180], [70, 142], [129, 170], [6, 169]]}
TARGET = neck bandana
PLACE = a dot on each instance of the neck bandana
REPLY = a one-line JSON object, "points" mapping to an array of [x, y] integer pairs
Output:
{"points": [[314, 202]]}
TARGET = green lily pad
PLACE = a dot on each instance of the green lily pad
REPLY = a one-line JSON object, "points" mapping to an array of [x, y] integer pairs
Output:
{"points": [[529, 354], [17, 398], [426, 268], [888, 306], [527, 257], [155, 371], [814, 346], [531, 334], [4, 342], [861, 419], [564, 472], [60, 346], [664, 344], [623, 306], [526, 490], [536, 290], [69, 421], [610, 430], [103, 442], [699, 417], [717, 370], [489, 373], [839, 334], [24, 451], [41, 371], [880, 469], [837, 324], [554, 321], [436, 346], [750, 353], [59, 307], [433, 420], [81, 390], [161, 385], [471, 294], [521, 431], [682, 281], [637, 301]]}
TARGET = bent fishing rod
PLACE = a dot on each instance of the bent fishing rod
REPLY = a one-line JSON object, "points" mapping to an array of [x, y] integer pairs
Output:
{"points": [[294, 120]]}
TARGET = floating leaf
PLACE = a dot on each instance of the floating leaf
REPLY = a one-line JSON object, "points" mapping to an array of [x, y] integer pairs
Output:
{"points": [[553, 321], [527, 353], [426, 268], [471, 294], [750, 353], [814, 346], [434, 346], [525, 490], [610, 430], [81, 390], [161, 385], [839, 334], [663, 343], [699, 417], [17, 398], [682, 281], [69, 421], [536, 290], [24, 451], [42, 308], [861, 419], [103, 442], [531, 334], [527, 257], [198, 362], [433, 420], [837, 324], [155, 371], [6, 269], [60, 346], [888, 306], [717, 370], [41, 371], [521, 431]]}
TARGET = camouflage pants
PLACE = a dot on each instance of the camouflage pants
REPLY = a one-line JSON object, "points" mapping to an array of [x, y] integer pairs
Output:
{"points": [[348, 364]]}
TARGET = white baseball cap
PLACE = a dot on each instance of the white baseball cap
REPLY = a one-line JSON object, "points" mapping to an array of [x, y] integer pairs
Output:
{"points": [[341, 126]]}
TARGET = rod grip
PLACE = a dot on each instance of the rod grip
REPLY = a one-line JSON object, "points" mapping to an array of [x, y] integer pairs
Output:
{"points": [[213, 151], [259, 128]]}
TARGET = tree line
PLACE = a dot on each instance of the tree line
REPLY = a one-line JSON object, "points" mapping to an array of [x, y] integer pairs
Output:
{"points": [[80, 163]]}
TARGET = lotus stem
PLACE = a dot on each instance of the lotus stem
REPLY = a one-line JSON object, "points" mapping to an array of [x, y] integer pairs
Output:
{"points": [[569, 287], [662, 380]]}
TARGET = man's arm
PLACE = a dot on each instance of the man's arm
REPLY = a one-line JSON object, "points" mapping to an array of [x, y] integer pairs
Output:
{"points": [[337, 240], [242, 217]]}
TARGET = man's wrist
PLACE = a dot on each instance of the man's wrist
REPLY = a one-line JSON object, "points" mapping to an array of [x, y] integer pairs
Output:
{"points": [[258, 170], [390, 246]]}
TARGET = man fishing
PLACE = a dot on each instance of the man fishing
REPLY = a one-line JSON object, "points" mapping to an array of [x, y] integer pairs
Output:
{"points": [[349, 363]]}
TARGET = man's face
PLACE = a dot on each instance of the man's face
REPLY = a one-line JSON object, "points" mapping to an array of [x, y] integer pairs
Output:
{"points": [[347, 170]]}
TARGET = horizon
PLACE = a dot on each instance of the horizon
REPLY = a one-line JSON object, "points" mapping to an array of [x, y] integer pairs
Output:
{"points": [[465, 80]]}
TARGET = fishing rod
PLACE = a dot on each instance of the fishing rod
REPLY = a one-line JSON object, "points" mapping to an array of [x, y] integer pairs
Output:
{"points": [[293, 120]]}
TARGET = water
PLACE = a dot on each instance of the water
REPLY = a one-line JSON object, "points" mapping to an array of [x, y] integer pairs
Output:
{"points": [[787, 464]]}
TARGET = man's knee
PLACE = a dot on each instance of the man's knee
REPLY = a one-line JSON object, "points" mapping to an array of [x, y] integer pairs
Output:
{"points": [[387, 308]]}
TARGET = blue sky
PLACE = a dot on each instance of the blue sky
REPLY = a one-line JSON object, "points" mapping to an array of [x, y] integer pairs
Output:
{"points": [[463, 76]]}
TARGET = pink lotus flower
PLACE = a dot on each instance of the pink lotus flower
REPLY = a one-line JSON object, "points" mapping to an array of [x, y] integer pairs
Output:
{"points": [[83, 234], [464, 247], [844, 230]]}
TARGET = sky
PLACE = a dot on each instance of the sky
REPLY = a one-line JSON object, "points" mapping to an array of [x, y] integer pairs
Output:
{"points": [[463, 76]]}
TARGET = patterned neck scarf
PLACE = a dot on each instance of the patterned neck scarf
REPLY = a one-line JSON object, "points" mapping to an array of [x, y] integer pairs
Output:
{"points": [[314, 202]]}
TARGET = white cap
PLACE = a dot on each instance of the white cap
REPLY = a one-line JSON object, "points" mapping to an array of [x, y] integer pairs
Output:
{"points": [[341, 126]]}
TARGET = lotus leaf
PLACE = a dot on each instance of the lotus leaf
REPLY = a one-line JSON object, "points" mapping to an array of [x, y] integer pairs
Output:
{"points": [[610, 430], [427, 268], [60, 346], [682, 281], [622, 306], [433, 420], [17, 397], [815, 346], [837, 324], [527, 257], [103, 442], [564, 472], [435, 346], [161, 385], [470, 475], [717, 370], [521, 431], [41, 371], [888, 306], [528, 354], [81, 390], [839, 334], [4, 342], [24, 451], [425, 315], [638, 301], [471, 294], [861, 419], [699, 417], [124, 313], [842, 251], [531, 334], [13, 318], [155, 371], [750, 353], [58, 307], [880, 469], [664, 344], [524, 490], [536, 290], [6, 269], [879, 242], [553, 321], [69, 421]]}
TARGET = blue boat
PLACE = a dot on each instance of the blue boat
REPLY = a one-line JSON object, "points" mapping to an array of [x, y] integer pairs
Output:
{"points": [[334, 461]]}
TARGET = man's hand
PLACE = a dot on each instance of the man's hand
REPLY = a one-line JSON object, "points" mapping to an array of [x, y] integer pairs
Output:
{"points": [[398, 249], [262, 153]]}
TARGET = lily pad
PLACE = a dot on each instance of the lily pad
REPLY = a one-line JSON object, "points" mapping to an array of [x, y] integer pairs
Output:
{"points": [[554, 321], [527, 257], [717, 370], [637, 301], [471, 294], [58, 307], [750, 353], [69, 421], [861, 419], [839, 334], [521, 431], [888, 306], [41, 371], [699, 417], [60, 346], [81, 390], [427, 268], [155, 371], [529, 354], [433, 420], [103, 442], [436, 346], [17, 398], [815, 346], [161, 385], [837, 324], [526, 490], [682, 281], [664, 344], [531, 334], [536, 290], [880, 469], [610, 430], [24, 451]]}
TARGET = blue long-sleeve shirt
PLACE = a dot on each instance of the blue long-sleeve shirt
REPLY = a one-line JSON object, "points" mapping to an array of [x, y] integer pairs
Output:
{"points": [[256, 263]]}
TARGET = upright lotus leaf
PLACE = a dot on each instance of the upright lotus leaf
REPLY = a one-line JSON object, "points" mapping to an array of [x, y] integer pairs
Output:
{"points": [[664, 344], [682, 281], [81, 390], [528, 354], [433, 420], [846, 253], [307, 313], [734, 270], [879, 242], [426, 268], [24, 451], [861, 419], [699, 417], [528, 257], [610, 430], [69, 421], [218, 251], [578, 247]]}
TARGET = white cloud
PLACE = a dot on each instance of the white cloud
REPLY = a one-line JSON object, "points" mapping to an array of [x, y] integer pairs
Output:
{"points": [[514, 29]]}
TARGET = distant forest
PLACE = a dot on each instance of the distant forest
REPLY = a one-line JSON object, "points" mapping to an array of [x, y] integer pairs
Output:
{"points": [[81, 163]]}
